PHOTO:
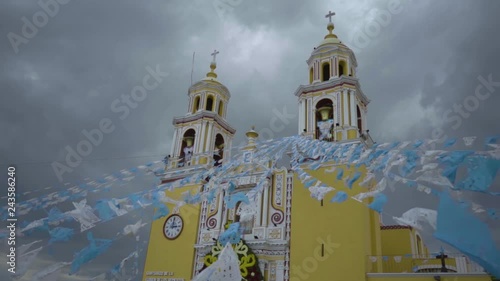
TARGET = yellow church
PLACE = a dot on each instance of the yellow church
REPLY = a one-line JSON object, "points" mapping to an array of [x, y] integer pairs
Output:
{"points": [[289, 236]]}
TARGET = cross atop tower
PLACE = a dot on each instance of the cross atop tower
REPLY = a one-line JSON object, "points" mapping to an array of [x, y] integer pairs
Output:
{"points": [[214, 54], [330, 15]]}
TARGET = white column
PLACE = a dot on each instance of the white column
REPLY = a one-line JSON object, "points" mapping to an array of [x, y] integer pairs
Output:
{"points": [[338, 109], [265, 205], [314, 71], [335, 68], [353, 109], [309, 115], [280, 270], [200, 144], [202, 101], [345, 108], [317, 70], [178, 143], [208, 141], [363, 119], [174, 140], [313, 116], [262, 266], [304, 112], [301, 117], [228, 146], [258, 219], [221, 219], [331, 68]]}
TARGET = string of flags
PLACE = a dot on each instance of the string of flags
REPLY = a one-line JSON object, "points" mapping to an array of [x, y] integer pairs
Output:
{"points": [[414, 164]]}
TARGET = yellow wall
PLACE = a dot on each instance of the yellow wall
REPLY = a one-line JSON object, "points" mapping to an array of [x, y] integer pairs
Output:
{"points": [[174, 256], [396, 242], [339, 136], [343, 228], [351, 134]]}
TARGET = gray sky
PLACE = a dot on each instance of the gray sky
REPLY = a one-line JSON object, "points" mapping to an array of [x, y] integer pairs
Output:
{"points": [[417, 61]]}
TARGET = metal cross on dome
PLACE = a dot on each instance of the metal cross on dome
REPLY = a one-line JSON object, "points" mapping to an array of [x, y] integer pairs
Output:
{"points": [[214, 54], [330, 15]]}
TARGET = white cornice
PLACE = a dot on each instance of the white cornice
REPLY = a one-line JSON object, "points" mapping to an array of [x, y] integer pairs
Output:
{"points": [[337, 81], [204, 114], [324, 49]]}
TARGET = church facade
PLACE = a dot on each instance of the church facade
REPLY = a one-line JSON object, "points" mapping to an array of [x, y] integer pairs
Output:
{"points": [[293, 236]]}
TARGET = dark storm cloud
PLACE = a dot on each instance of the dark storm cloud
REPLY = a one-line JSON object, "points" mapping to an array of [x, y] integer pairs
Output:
{"points": [[63, 80]]}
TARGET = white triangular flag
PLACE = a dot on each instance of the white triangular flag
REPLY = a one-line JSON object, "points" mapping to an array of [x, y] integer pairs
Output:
{"points": [[226, 268]]}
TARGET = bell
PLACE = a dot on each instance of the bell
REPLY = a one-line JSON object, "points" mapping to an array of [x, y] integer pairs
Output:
{"points": [[189, 141], [324, 112]]}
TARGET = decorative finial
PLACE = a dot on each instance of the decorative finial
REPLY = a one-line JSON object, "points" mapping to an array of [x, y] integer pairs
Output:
{"points": [[213, 65], [252, 136], [330, 15], [330, 25], [214, 54]]}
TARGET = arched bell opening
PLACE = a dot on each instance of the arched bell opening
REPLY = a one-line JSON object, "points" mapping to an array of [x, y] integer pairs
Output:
{"points": [[210, 103], [311, 75], [325, 72], [196, 105], [342, 68], [221, 109], [187, 147], [218, 149], [324, 120]]}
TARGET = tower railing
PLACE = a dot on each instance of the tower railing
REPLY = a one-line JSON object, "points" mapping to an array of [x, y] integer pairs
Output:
{"points": [[206, 158]]}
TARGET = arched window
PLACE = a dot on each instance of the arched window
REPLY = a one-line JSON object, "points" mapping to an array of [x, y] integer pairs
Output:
{"points": [[218, 149], [311, 75], [360, 121], [196, 105], [221, 108], [326, 71], [187, 147], [210, 103], [342, 68], [324, 120]]}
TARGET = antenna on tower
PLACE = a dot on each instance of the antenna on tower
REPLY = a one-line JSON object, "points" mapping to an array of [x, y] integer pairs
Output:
{"points": [[192, 69]]}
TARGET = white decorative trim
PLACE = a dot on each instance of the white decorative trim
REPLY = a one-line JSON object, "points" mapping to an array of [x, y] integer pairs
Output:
{"points": [[278, 191], [275, 233], [345, 109]]}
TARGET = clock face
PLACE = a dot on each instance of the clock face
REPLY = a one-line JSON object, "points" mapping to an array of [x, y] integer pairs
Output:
{"points": [[173, 227]]}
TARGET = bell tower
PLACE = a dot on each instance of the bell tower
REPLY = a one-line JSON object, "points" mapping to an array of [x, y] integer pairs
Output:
{"points": [[203, 136], [332, 107]]}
